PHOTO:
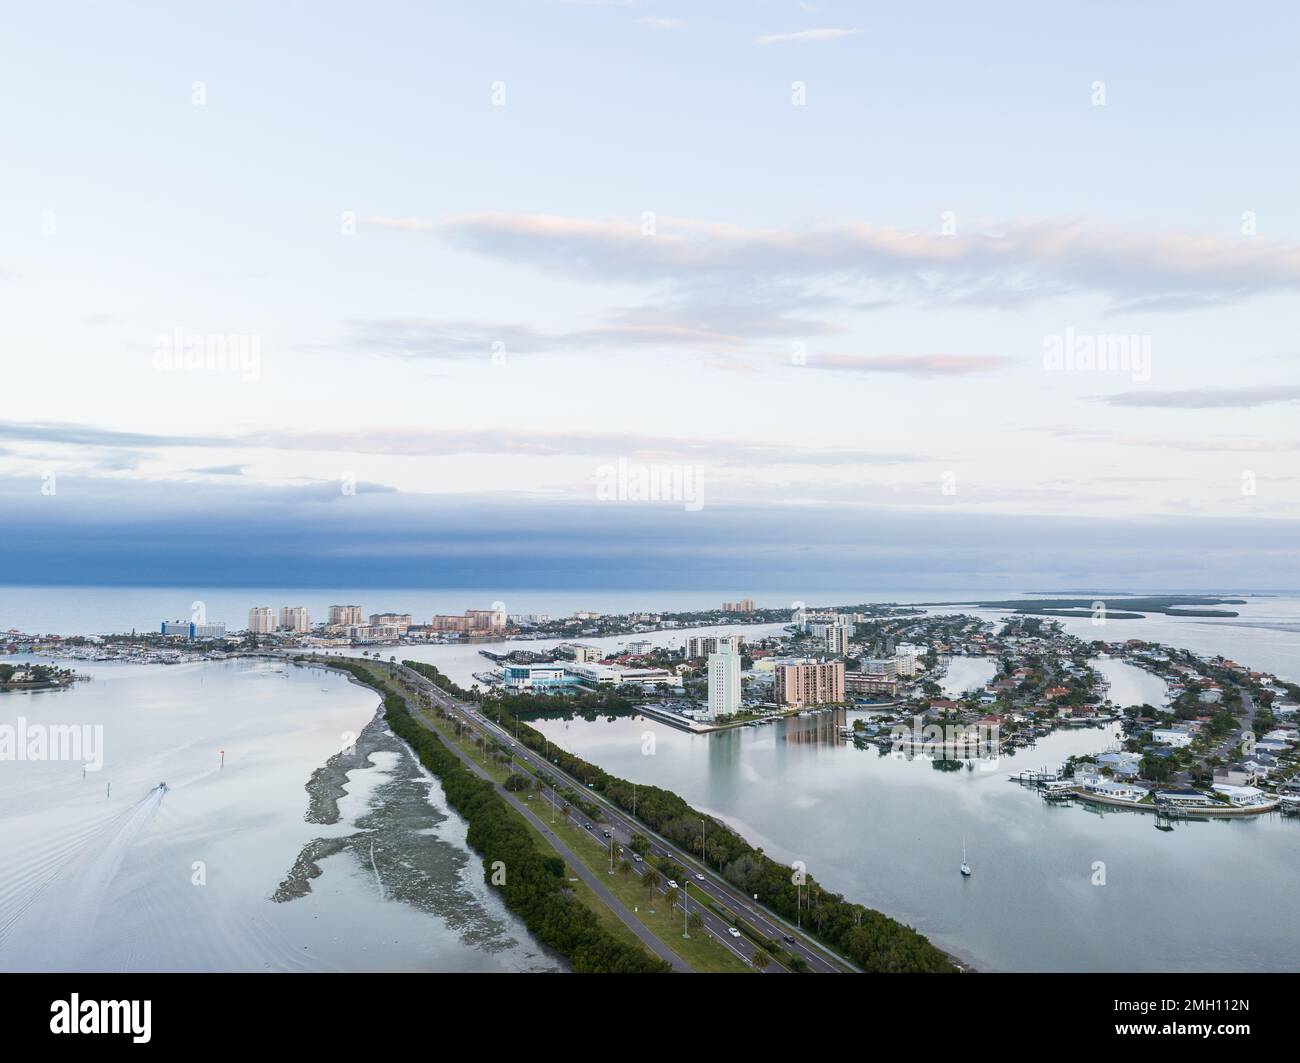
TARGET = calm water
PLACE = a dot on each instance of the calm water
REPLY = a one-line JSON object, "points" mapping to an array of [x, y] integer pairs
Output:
{"points": [[183, 880], [890, 833], [1209, 895], [1266, 636]]}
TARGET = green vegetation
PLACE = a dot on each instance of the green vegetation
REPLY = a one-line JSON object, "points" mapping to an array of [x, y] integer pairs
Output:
{"points": [[534, 886], [869, 938], [1170, 604], [660, 914], [439, 680], [37, 674]]}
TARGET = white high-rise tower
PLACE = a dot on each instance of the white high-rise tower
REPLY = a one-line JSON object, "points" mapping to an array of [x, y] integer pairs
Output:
{"points": [[724, 683]]}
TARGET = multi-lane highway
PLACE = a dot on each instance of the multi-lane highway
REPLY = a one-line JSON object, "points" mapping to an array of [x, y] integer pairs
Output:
{"points": [[621, 826]]}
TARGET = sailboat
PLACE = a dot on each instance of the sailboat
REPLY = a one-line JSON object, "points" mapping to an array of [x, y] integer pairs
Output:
{"points": [[965, 867]]}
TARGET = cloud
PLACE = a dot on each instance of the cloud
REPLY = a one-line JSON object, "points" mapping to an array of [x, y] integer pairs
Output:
{"points": [[1199, 444], [120, 461], [204, 535], [90, 436], [221, 470], [657, 23], [426, 338], [408, 225], [1205, 398], [859, 265], [918, 365], [450, 442], [814, 36]]}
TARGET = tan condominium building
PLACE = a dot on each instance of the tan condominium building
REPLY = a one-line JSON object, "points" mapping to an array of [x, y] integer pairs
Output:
{"points": [[401, 621], [486, 619], [809, 682], [475, 621], [294, 618], [345, 615], [261, 620]]}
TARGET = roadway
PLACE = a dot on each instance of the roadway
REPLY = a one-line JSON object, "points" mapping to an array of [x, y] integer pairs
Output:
{"points": [[571, 858], [622, 827]]}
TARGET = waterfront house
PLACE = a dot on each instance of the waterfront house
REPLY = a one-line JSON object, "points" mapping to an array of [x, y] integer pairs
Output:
{"points": [[1177, 737], [1122, 764], [1100, 786], [1185, 798], [1243, 796]]}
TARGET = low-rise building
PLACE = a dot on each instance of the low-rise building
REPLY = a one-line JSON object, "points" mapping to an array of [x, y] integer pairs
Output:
{"points": [[518, 678]]}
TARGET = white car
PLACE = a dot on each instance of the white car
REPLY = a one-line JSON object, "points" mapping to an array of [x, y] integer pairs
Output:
{"points": [[733, 931], [671, 884], [699, 876]]}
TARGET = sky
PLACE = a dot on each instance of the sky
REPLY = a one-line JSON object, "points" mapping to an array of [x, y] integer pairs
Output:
{"points": [[775, 294]]}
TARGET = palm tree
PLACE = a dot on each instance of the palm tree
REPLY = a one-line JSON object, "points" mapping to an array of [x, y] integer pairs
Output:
{"points": [[625, 868], [760, 959], [671, 898], [651, 880]]}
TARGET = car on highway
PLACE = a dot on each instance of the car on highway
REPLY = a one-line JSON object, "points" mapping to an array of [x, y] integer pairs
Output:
{"points": [[672, 884], [699, 876], [586, 826], [788, 939], [605, 834], [733, 931], [636, 857]]}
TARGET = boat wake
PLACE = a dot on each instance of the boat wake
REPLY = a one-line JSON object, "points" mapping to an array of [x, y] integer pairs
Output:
{"points": [[53, 902]]}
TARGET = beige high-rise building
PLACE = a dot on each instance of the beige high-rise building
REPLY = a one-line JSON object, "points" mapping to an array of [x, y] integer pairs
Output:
{"points": [[809, 683], [401, 621], [345, 615], [294, 618], [837, 640], [474, 622], [486, 619], [261, 620]]}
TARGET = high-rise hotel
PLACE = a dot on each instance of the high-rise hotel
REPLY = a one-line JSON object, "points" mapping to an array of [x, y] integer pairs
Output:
{"points": [[345, 615], [294, 618]]}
